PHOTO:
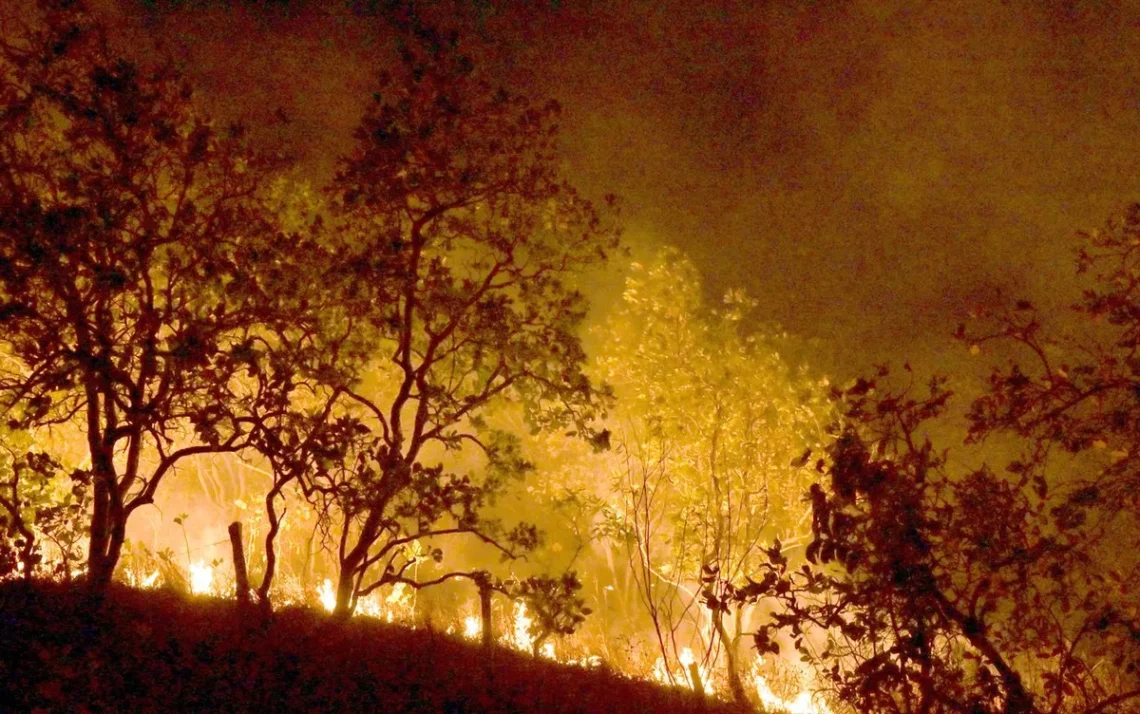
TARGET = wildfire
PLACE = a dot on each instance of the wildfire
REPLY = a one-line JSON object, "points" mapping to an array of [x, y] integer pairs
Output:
{"points": [[201, 578], [327, 595], [398, 605], [684, 677], [398, 601], [804, 702], [146, 582], [523, 640], [472, 628]]}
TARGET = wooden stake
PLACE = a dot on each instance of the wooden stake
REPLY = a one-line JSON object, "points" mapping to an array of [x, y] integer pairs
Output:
{"points": [[241, 577], [485, 612], [695, 674]]}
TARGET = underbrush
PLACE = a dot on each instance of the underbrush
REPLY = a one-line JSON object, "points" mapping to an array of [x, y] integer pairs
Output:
{"points": [[62, 650]]}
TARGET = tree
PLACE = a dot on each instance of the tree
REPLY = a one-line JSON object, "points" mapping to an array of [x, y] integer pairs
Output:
{"points": [[470, 242], [709, 419], [140, 272], [941, 587]]}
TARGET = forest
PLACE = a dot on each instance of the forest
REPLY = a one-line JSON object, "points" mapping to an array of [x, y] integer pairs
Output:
{"points": [[397, 395]]}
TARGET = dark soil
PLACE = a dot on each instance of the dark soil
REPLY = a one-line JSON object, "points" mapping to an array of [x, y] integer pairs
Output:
{"points": [[62, 650]]}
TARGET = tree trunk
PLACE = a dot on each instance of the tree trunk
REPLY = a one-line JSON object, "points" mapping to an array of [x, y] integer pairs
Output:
{"points": [[270, 550], [345, 586], [732, 663], [351, 562], [485, 613], [695, 677], [98, 576], [118, 537], [241, 577], [108, 525]]}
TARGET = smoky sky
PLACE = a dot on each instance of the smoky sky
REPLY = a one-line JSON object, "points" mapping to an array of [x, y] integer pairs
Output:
{"points": [[868, 170]]}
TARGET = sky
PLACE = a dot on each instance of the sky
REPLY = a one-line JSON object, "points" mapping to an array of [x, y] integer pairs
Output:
{"points": [[869, 170]]}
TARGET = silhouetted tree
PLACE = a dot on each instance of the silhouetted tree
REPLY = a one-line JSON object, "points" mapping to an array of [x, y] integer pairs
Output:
{"points": [[938, 587], [140, 271], [470, 242]]}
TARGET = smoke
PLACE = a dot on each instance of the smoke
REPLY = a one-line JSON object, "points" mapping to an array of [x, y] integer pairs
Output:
{"points": [[868, 170]]}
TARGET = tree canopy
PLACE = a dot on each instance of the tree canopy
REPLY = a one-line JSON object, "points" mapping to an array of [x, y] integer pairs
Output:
{"points": [[469, 245], [940, 586], [139, 267]]}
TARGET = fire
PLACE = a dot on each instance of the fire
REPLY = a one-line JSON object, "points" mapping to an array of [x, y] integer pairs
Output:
{"points": [[146, 582], [683, 676], [472, 628], [686, 657], [327, 595], [201, 578], [523, 640], [398, 605], [804, 702]]}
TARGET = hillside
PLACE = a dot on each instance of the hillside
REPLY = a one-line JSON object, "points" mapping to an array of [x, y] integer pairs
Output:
{"points": [[158, 651]]}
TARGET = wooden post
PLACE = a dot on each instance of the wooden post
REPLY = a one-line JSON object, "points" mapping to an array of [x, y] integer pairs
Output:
{"points": [[485, 611], [695, 674], [241, 577]]}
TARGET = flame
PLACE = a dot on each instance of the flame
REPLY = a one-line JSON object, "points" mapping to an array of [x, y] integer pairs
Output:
{"points": [[686, 657], [399, 601], [682, 676], [523, 640], [472, 628], [804, 702], [201, 578], [326, 595], [150, 580]]}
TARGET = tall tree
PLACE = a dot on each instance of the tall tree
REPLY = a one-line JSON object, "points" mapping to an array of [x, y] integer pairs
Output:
{"points": [[709, 419], [471, 242], [140, 271]]}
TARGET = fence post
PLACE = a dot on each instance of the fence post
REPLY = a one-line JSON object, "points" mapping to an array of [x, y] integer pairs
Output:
{"points": [[241, 577]]}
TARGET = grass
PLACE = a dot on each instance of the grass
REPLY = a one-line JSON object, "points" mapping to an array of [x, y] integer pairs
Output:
{"points": [[61, 650]]}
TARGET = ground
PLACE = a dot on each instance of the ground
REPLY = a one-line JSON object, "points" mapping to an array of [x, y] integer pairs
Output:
{"points": [[61, 650]]}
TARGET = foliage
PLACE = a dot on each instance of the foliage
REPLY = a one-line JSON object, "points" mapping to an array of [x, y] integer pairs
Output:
{"points": [[140, 272], [44, 511], [940, 588], [554, 603], [469, 242], [709, 419], [1077, 389]]}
